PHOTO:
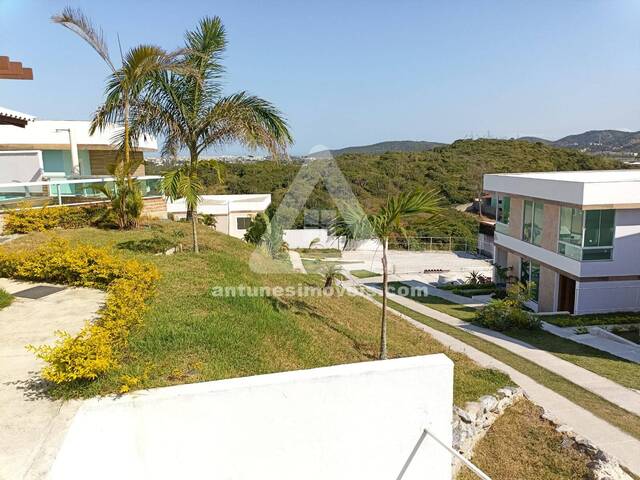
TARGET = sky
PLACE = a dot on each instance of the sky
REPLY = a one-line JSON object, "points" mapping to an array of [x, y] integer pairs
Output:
{"points": [[358, 72]]}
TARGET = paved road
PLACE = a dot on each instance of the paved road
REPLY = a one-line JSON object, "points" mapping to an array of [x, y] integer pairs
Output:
{"points": [[31, 425], [612, 440]]}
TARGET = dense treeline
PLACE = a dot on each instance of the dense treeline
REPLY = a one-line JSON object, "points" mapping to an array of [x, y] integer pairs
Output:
{"points": [[455, 170]]}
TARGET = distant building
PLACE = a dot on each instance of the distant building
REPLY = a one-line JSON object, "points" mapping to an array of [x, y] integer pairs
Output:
{"points": [[576, 235], [233, 213]]}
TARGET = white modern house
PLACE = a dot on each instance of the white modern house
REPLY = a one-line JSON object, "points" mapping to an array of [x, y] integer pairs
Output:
{"points": [[233, 213], [576, 235], [42, 159]]}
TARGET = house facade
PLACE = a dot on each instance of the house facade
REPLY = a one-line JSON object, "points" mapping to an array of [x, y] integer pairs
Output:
{"points": [[232, 213], [575, 235], [60, 149]]}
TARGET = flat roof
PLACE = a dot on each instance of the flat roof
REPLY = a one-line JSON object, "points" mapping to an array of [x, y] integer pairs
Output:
{"points": [[53, 135], [586, 188]]}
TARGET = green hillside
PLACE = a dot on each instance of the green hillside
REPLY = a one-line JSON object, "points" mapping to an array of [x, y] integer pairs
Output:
{"points": [[455, 170]]}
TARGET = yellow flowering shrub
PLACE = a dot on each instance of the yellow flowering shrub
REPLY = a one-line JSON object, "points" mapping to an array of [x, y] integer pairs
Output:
{"points": [[26, 219], [95, 349]]}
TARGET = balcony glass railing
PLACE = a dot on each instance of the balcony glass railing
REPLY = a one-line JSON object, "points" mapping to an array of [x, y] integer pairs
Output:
{"points": [[68, 191], [582, 254]]}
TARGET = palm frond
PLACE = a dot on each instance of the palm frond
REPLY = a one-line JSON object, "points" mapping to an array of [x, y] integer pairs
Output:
{"points": [[77, 22]]}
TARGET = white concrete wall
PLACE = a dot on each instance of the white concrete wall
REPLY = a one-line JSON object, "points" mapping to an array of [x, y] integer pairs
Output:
{"points": [[20, 166], [602, 297], [351, 422], [301, 238]]}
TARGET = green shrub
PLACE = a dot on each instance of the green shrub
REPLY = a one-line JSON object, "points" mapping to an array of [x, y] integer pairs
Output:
{"points": [[5, 298], [508, 313], [26, 219], [95, 349]]}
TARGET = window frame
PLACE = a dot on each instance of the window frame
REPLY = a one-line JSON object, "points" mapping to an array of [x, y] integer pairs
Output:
{"points": [[249, 218], [580, 249], [501, 226], [529, 271]]}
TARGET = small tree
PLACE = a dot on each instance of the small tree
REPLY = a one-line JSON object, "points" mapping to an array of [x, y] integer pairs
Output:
{"points": [[331, 273]]}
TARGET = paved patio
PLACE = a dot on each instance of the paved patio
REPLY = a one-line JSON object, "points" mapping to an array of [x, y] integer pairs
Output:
{"points": [[32, 426]]}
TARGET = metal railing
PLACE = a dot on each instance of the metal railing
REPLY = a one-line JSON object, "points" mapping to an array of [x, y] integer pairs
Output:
{"points": [[434, 244], [479, 473], [68, 191]]}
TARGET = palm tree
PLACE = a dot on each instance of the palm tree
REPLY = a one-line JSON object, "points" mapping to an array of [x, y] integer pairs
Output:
{"points": [[124, 89], [386, 222], [189, 109], [331, 272]]}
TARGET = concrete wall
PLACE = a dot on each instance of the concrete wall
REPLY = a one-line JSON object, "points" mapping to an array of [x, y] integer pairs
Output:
{"points": [[357, 421], [515, 217], [301, 238], [600, 297], [550, 227], [20, 166], [547, 299]]}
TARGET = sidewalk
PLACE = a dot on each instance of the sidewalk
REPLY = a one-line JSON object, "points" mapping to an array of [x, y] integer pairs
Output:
{"points": [[32, 424], [612, 440], [296, 262], [628, 352]]}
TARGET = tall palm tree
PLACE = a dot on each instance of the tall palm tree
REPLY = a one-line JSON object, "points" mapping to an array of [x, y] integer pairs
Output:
{"points": [[389, 220], [190, 110], [125, 87]]}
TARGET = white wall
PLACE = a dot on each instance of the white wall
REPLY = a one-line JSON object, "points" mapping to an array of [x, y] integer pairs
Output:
{"points": [[602, 297], [357, 421], [301, 238], [20, 166]]}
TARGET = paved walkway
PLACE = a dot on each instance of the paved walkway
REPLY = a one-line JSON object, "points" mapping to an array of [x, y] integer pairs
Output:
{"points": [[31, 425], [628, 352], [296, 262], [612, 440]]}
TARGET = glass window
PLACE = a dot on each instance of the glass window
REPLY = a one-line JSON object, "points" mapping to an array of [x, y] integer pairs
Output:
{"points": [[582, 233], [532, 222], [530, 274], [571, 226], [243, 223]]}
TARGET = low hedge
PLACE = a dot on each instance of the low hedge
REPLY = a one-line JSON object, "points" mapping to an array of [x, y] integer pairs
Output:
{"points": [[96, 348], [26, 220]]}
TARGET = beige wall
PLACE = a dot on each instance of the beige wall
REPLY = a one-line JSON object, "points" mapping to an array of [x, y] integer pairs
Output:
{"points": [[515, 217], [513, 262], [550, 227], [546, 290], [101, 160]]}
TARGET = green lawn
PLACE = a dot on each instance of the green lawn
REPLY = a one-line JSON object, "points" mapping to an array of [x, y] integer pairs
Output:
{"points": [[363, 273], [624, 372], [5, 298], [320, 252], [599, 406], [596, 319], [191, 336]]}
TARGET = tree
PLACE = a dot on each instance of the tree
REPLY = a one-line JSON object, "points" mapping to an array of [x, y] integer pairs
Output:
{"points": [[389, 220], [188, 108], [331, 273], [125, 87]]}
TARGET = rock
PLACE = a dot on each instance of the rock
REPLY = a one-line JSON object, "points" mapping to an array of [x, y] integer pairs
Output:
{"points": [[586, 446], [506, 392], [503, 403], [488, 402], [463, 415], [564, 429], [474, 409]]}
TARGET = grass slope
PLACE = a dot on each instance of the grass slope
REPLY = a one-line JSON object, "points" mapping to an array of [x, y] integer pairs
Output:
{"points": [[191, 336], [521, 429]]}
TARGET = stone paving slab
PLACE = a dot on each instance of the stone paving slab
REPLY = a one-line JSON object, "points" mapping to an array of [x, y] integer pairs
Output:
{"points": [[31, 425]]}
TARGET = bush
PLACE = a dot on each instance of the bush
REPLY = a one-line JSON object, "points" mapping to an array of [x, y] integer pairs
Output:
{"points": [[95, 349], [45, 218], [508, 313]]}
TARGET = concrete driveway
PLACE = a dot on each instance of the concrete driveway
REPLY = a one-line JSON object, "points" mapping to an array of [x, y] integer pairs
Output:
{"points": [[31, 425], [456, 264]]}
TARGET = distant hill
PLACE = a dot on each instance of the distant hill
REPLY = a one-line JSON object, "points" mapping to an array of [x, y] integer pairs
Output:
{"points": [[615, 142], [383, 147]]}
